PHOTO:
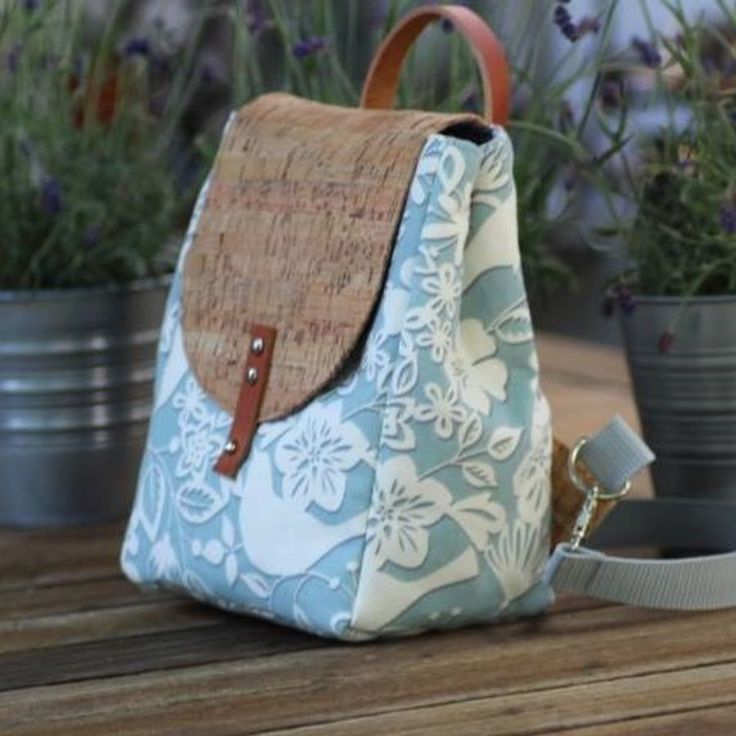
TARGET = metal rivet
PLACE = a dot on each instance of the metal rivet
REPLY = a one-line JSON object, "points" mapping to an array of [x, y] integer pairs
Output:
{"points": [[252, 375], [257, 345], [231, 447]]}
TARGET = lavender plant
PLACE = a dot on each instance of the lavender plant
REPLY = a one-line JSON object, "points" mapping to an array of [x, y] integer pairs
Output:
{"points": [[89, 193], [91, 185], [682, 179]]}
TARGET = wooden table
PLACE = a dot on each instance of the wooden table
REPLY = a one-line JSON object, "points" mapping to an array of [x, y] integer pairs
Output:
{"points": [[83, 652]]}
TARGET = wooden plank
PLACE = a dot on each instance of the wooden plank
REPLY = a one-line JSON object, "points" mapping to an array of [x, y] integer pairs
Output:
{"points": [[49, 557], [76, 596], [88, 626], [334, 683], [88, 652], [714, 720], [593, 705], [232, 638]]}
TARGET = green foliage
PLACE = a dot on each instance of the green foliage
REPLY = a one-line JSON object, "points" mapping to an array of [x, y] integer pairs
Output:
{"points": [[87, 189], [89, 197], [682, 236]]}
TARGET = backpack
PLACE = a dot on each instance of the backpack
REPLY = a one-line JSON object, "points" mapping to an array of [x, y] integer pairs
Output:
{"points": [[348, 433]]}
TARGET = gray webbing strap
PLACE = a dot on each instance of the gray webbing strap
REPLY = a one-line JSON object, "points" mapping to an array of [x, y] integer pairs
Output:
{"points": [[694, 583]]}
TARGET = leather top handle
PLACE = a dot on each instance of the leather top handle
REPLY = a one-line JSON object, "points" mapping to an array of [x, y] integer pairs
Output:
{"points": [[382, 81]]}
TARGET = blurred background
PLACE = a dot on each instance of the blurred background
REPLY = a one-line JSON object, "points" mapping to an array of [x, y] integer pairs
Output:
{"points": [[585, 79]]}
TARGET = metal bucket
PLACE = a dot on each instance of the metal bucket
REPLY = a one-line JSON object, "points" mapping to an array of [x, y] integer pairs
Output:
{"points": [[686, 396], [76, 383]]}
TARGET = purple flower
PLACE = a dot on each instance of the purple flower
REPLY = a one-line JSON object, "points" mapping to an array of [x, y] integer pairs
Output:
{"points": [[378, 14], [564, 22], [91, 236], [30, 5], [207, 74], [647, 52], [51, 202], [308, 46], [710, 65], [728, 218], [587, 25], [625, 299], [12, 58], [612, 93], [137, 46], [255, 15]]}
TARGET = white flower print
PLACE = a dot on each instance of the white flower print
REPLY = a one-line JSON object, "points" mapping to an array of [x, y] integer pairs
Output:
{"points": [[405, 373], [473, 369], [452, 207], [198, 448], [518, 557], [169, 327], [426, 168], [402, 510], [443, 409], [437, 337], [397, 432], [190, 404], [315, 455], [394, 304], [532, 484], [480, 517], [376, 363], [201, 431], [163, 558], [444, 288], [532, 478], [494, 174]]}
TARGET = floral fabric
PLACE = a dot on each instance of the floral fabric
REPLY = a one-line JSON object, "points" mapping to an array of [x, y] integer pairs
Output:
{"points": [[414, 495]]}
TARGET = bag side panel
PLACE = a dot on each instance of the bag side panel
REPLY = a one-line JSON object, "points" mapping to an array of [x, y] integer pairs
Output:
{"points": [[458, 528], [285, 539]]}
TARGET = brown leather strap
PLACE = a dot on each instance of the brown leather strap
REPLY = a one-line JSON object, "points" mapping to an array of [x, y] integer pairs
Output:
{"points": [[248, 408], [381, 84]]}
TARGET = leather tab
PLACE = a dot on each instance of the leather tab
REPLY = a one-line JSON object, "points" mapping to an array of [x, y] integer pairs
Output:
{"points": [[250, 399]]}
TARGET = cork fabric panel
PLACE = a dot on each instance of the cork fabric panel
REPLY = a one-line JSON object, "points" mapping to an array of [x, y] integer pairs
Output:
{"points": [[296, 234]]}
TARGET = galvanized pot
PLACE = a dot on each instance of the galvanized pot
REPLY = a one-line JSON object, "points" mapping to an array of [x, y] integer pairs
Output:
{"points": [[686, 394], [76, 383]]}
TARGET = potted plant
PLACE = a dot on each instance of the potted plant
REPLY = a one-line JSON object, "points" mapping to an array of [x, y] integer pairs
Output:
{"points": [[89, 202], [677, 302]]}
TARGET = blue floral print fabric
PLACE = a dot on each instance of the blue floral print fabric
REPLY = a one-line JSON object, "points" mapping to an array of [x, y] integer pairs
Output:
{"points": [[415, 494]]}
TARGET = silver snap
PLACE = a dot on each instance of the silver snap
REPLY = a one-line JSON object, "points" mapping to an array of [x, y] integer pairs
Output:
{"points": [[257, 345], [252, 375], [231, 447]]}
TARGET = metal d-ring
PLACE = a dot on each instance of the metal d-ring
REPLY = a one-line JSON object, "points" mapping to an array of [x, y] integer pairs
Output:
{"points": [[593, 493], [602, 494]]}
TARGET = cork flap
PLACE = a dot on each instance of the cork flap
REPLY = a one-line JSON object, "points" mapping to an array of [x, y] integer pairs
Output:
{"points": [[296, 234]]}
